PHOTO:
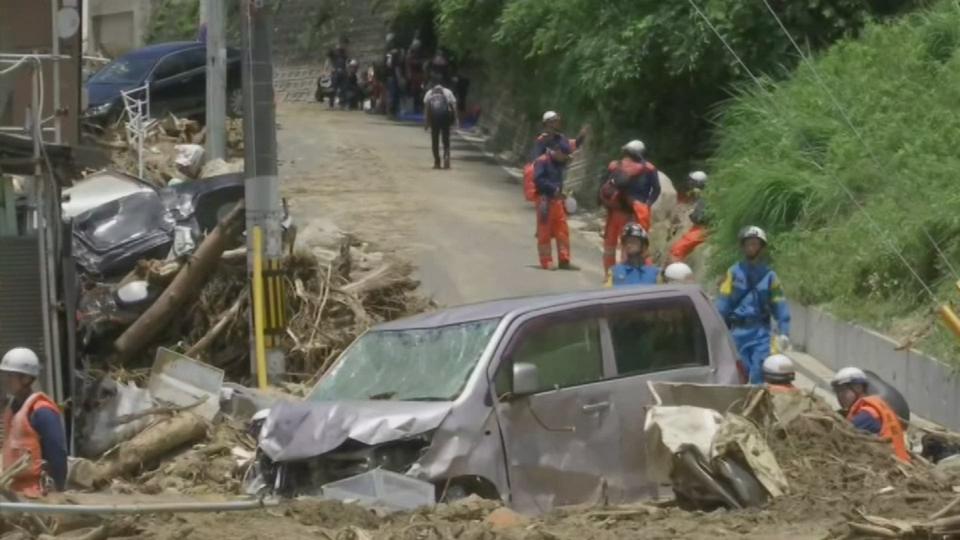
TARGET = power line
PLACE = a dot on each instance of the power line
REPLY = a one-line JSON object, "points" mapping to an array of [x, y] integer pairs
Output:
{"points": [[879, 230]]}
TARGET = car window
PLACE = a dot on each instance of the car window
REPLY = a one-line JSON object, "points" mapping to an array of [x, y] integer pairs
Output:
{"points": [[170, 66], [194, 58], [657, 335], [565, 349]]}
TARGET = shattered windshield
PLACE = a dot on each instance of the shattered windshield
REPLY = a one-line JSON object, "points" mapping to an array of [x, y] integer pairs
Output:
{"points": [[128, 70], [430, 364]]}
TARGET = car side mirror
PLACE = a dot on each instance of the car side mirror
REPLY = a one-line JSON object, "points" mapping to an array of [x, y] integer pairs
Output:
{"points": [[526, 379]]}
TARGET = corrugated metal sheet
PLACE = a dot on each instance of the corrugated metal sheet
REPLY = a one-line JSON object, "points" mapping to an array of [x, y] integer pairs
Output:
{"points": [[21, 315]]}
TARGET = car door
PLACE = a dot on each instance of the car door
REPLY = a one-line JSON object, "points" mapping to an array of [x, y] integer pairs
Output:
{"points": [[562, 441], [652, 339], [178, 84]]}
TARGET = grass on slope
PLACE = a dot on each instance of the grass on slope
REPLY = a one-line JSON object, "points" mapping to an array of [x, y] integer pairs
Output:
{"points": [[842, 211]]}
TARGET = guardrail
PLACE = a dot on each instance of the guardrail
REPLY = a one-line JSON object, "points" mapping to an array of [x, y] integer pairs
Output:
{"points": [[931, 387]]}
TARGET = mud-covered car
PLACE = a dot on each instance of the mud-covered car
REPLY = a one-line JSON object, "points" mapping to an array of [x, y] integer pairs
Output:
{"points": [[537, 401]]}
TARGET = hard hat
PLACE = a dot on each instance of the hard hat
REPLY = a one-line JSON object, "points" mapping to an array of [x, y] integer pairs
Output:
{"points": [[849, 375], [550, 115], [570, 204], [353, 63], [698, 179], [677, 272], [635, 148], [752, 232], [635, 230], [21, 360], [779, 366]]}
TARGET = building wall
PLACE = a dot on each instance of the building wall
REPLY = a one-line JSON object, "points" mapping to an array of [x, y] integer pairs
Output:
{"points": [[117, 26]]}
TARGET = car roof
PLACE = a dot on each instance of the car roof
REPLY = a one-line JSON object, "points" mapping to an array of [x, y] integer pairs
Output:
{"points": [[496, 309], [162, 49]]}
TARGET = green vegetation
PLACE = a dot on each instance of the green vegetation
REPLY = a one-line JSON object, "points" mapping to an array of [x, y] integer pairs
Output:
{"points": [[645, 68], [174, 20], [788, 161]]}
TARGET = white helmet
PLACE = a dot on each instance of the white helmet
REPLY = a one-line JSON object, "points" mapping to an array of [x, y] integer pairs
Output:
{"points": [[779, 368], [752, 232], [570, 204], [635, 148], [550, 115], [678, 272], [698, 179], [849, 375], [21, 360]]}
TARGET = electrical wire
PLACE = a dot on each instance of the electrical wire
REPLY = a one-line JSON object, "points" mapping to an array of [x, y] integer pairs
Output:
{"points": [[849, 121], [876, 226]]}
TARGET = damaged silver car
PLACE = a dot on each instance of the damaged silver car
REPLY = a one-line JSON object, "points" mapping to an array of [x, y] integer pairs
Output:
{"points": [[537, 401]]}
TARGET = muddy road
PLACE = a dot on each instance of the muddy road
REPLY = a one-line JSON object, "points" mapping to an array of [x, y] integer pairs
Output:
{"points": [[467, 229]]}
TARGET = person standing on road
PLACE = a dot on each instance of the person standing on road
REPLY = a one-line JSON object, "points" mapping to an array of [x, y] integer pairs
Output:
{"points": [[630, 187], [750, 295], [550, 136], [441, 114], [33, 426], [869, 413], [338, 65], [779, 373], [414, 69], [549, 171], [638, 269], [393, 61], [697, 234]]}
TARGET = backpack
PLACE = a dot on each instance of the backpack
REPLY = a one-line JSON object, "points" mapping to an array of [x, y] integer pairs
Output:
{"points": [[439, 106]]}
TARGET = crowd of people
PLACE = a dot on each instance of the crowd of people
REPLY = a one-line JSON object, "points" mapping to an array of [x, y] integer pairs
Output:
{"points": [[395, 84], [750, 299]]}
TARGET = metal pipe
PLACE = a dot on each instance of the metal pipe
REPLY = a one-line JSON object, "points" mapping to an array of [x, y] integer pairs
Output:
{"points": [[950, 319], [55, 50], [40, 56], [154, 508]]}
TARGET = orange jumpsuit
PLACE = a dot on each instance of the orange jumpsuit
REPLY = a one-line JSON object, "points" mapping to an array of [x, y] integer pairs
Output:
{"points": [[628, 179], [551, 213]]}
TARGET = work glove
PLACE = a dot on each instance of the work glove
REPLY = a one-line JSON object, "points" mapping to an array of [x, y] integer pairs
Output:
{"points": [[783, 343]]}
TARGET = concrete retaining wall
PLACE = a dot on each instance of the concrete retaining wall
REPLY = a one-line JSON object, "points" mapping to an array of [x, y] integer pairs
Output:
{"points": [[931, 387]]}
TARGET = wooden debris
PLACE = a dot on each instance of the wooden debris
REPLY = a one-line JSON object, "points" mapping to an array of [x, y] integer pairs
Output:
{"points": [[184, 288]]}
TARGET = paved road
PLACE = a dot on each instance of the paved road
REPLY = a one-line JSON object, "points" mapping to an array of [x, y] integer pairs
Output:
{"points": [[468, 229]]}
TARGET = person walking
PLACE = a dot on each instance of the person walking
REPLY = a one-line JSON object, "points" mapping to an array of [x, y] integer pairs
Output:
{"points": [[630, 188], [441, 113], [549, 172]]}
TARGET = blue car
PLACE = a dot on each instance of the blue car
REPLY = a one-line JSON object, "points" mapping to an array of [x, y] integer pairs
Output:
{"points": [[177, 75]]}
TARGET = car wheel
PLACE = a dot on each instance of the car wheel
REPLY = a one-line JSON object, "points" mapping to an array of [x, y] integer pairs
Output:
{"points": [[235, 103]]}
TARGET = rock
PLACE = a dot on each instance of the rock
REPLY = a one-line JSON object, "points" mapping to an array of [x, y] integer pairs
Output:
{"points": [[504, 518]]}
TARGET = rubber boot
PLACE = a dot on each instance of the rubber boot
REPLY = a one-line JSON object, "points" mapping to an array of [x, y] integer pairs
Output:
{"points": [[446, 160]]}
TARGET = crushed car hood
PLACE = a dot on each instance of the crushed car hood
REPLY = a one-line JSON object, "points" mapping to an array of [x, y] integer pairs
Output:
{"points": [[301, 430]]}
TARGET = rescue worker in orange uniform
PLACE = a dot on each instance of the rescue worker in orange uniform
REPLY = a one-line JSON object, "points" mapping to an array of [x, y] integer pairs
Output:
{"points": [[779, 373], [697, 234], [549, 171], [631, 187], [867, 412], [550, 136], [33, 426]]}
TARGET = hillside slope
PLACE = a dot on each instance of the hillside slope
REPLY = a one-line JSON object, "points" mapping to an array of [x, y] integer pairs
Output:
{"points": [[865, 215]]}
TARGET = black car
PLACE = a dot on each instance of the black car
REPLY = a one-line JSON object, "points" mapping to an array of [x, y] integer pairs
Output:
{"points": [[177, 77]]}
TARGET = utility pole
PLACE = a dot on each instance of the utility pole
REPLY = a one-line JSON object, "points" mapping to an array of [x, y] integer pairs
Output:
{"points": [[262, 191], [213, 14]]}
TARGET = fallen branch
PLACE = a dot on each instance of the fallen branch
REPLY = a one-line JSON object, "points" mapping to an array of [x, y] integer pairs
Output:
{"points": [[946, 509], [873, 530], [383, 277], [153, 411], [214, 332], [98, 533], [11, 472], [185, 287]]}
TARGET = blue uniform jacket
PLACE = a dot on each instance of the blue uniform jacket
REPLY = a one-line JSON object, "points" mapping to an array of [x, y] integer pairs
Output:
{"points": [[53, 443], [741, 306], [625, 274], [548, 177], [548, 140]]}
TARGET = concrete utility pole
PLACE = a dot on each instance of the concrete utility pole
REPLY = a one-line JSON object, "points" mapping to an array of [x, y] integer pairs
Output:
{"points": [[213, 14], [264, 207]]}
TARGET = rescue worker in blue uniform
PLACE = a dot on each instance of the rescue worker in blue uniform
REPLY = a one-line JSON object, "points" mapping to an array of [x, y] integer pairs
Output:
{"points": [[638, 268], [750, 296]]}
